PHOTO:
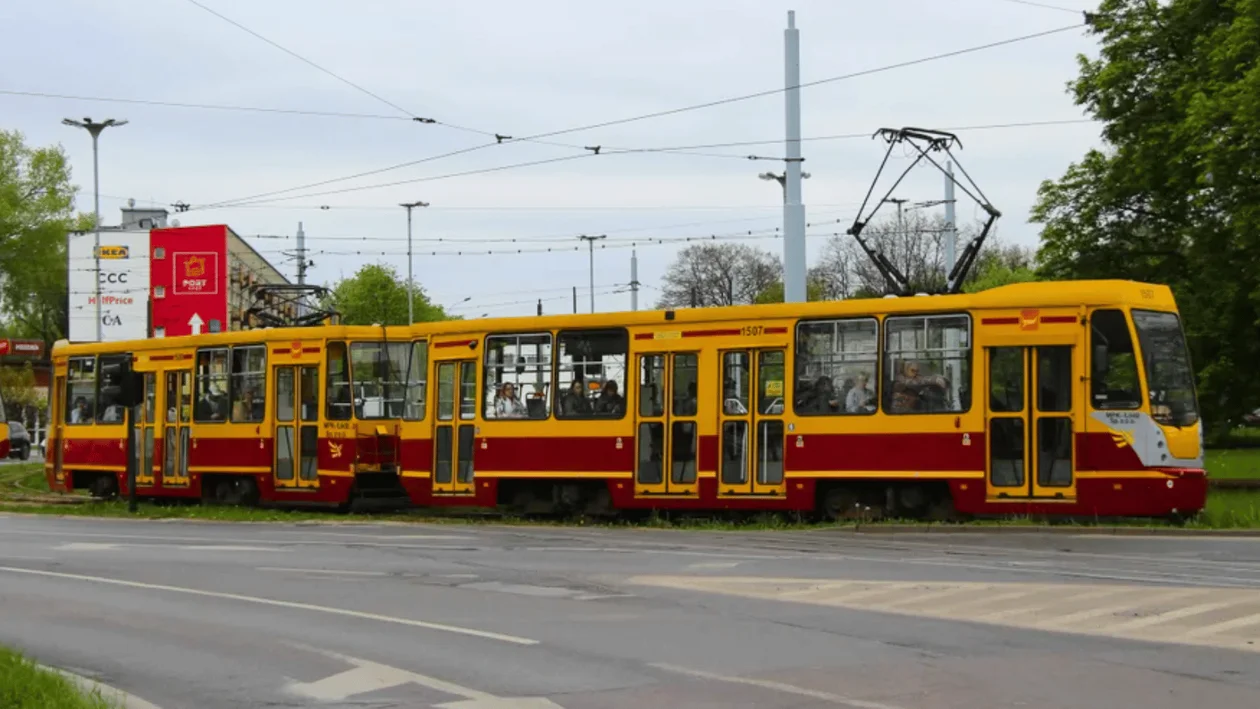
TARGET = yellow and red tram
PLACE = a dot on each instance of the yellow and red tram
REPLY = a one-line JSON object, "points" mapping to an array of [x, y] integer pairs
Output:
{"points": [[1061, 398]]}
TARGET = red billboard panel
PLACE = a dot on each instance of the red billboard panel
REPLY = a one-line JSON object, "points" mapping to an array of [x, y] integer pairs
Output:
{"points": [[188, 277], [22, 348]]}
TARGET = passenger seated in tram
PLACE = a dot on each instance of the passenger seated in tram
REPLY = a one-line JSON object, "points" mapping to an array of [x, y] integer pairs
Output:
{"points": [[821, 398], [80, 413], [506, 405], [574, 401], [915, 393], [609, 402], [860, 399]]}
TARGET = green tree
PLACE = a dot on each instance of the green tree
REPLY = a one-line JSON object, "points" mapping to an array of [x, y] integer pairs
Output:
{"points": [[1174, 197], [36, 212], [815, 289], [376, 295], [1000, 266]]}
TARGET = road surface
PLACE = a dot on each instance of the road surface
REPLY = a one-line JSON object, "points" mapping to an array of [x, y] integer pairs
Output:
{"points": [[203, 616]]}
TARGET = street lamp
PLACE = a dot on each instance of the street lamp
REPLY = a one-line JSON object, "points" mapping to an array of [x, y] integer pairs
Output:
{"points": [[782, 180], [96, 129], [411, 317]]}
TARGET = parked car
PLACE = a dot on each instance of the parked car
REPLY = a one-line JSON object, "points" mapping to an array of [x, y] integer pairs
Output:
{"points": [[1252, 419], [19, 441]]}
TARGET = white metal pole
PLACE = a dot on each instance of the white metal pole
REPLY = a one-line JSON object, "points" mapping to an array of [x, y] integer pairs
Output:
{"points": [[96, 225], [634, 280], [592, 274], [951, 228], [793, 209], [411, 314]]}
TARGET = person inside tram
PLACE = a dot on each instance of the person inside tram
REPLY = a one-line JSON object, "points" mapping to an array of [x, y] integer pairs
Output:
{"points": [[821, 398], [80, 413], [244, 408], [609, 402], [860, 399], [574, 401], [910, 389], [506, 405], [685, 405]]}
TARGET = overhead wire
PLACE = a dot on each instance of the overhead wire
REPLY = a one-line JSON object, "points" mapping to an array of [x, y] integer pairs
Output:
{"points": [[659, 114]]}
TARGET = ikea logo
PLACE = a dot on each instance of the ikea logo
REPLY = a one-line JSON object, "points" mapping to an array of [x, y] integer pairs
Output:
{"points": [[113, 252]]}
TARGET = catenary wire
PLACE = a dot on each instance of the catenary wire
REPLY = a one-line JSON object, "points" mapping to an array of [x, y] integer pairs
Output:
{"points": [[659, 114]]}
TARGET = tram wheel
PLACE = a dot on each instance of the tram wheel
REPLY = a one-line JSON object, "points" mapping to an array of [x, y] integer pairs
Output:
{"points": [[840, 503]]}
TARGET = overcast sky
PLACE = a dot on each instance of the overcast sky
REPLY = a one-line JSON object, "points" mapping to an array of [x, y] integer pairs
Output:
{"points": [[528, 68]]}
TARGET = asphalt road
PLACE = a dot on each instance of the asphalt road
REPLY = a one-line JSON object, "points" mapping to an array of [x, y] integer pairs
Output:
{"points": [[204, 615]]}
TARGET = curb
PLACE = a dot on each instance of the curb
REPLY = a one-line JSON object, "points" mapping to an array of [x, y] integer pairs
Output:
{"points": [[126, 701], [1115, 531]]}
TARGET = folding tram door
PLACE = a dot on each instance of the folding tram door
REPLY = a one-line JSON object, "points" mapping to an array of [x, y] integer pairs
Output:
{"points": [[1030, 422], [454, 422], [751, 428], [666, 431], [175, 405], [296, 464]]}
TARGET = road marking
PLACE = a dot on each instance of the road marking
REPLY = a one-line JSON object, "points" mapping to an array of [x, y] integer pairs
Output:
{"points": [[149, 540], [339, 572], [198, 547], [1165, 614], [87, 686], [367, 676], [714, 565], [86, 546], [779, 687], [281, 604]]}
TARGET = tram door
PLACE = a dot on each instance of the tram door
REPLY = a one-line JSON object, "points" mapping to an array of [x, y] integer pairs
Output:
{"points": [[455, 427], [145, 430], [666, 435], [176, 407], [1030, 422], [56, 429], [751, 422], [296, 464]]}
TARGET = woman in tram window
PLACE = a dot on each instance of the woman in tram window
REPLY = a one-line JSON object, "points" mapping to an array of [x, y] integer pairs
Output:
{"points": [[575, 402], [860, 399], [506, 405], [609, 402], [909, 388]]}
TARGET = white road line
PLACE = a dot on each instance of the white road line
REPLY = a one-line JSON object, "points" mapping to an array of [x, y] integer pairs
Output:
{"points": [[1159, 618], [367, 676], [204, 547], [714, 565], [282, 604], [86, 546], [779, 687], [338, 572], [149, 540], [87, 686], [1216, 628]]}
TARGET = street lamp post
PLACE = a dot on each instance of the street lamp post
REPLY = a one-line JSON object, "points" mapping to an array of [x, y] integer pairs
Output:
{"points": [[590, 240], [95, 129], [411, 315], [782, 180]]}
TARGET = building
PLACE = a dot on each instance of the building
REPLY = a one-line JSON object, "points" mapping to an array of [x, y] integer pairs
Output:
{"points": [[164, 281]]}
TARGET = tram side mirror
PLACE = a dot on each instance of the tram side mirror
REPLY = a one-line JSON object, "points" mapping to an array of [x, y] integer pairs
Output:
{"points": [[1100, 360]]}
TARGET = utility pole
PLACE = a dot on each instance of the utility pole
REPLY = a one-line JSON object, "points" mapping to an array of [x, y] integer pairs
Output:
{"points": [[793, 209], [590, 241], [411, 286], [951, 228], [782, 180], [901, 229], [634, 280], [95, 129], [575, 300], [301, 268]]}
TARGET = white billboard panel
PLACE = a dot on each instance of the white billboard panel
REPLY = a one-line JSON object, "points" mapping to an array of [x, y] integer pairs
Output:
{"points": [[124, 279]]}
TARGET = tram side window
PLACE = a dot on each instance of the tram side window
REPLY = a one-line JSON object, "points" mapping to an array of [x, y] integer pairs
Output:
{"points": [[836, 362], [417, 373], [212, 386], [378, 371], [927, 364], [81, 390], [249, 382], [337, 383], [108, 408], [1114, 379], [591, 374], [518, 376]]}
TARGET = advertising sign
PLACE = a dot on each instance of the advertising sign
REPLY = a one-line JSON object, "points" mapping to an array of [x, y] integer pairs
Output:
{"points": [[190, 289], [124, 286]]}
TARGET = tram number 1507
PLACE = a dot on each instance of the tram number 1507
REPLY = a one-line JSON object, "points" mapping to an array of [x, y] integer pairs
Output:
{"points": [[752, 330]]}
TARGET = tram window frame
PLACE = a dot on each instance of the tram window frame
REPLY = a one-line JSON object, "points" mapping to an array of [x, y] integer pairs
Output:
{"points": [[205, 358], [254, 376], [842, 360], [107, 401], [609, 362], [519, 372], [416, 387], [388, 373], [88, 382], [1118, 326], [922, 353], [335, 409]]}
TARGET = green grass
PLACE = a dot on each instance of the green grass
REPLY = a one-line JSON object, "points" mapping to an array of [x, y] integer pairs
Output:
{"points": [[25, 686], [1226, 509], [1233, 463]]}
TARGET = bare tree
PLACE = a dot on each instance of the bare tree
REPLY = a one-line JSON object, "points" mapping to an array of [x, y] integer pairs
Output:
{"points": [[705, 275]]}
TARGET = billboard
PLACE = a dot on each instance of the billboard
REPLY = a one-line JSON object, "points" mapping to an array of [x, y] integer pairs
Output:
{"points": [[190, 280], [124, 285]]}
